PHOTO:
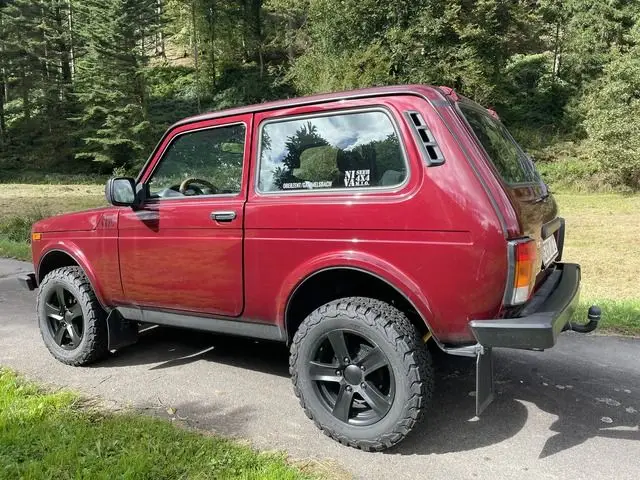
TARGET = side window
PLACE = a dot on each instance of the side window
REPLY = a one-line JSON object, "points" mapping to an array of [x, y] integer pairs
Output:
{"points": [[346, 151], [204, 162], [505, 154]]}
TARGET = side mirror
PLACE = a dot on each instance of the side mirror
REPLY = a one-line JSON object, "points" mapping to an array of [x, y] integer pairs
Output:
{"points": [[121, 192]]}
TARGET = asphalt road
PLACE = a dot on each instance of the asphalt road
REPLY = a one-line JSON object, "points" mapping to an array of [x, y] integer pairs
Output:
{"points": [[571, 412]]}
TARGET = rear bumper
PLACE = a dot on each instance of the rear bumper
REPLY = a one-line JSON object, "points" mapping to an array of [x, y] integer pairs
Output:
{"points": [[547, 314], [29, 281]]}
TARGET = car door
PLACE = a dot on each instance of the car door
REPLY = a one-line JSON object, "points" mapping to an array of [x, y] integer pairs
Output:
{"points": [[182, 249]]}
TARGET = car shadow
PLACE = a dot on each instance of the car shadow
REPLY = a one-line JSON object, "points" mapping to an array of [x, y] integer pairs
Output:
{"points": [[166, 347], [580, 398]]}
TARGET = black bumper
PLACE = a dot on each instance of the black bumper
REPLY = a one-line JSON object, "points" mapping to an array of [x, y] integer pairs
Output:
{"points": [[29, 281], [547, 314]]}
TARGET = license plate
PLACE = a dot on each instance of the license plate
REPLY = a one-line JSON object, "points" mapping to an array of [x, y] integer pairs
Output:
{"points": [[549, 250]]}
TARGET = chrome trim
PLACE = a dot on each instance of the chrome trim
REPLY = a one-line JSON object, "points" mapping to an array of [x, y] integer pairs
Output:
{"points": [[330, 191], [507, 299], [171, 142]]}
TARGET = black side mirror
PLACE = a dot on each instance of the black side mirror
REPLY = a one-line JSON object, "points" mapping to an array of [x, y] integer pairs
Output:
{"points": [[121, 192]]}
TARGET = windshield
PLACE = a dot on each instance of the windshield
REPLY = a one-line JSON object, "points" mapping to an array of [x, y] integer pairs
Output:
{"points": [[509, 159]]}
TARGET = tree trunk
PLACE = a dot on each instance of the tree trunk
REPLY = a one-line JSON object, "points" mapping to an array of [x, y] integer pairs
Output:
{"points": [[289, 36], [194, 40], [257, 28], [3, 130], [72, 57], [160, 43], [212, 40], [26, 99], [63, 48]]}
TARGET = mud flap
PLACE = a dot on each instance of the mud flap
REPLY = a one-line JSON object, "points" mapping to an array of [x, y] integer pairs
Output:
{"points": [[484, 379], [122, 332]]}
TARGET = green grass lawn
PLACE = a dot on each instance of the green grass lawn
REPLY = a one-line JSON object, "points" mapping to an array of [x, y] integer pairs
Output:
{"points": [[51, 435], [603, 236]]}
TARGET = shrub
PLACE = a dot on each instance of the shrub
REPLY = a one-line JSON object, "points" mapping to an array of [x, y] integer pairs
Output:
{"points": [[18, 228], [611, 108]]}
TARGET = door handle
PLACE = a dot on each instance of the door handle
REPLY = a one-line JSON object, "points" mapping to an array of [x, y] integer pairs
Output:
{"points": [[223, 216]]}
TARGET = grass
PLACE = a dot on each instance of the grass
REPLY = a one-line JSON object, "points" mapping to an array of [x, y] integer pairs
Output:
{"points": [[603, 232], [21, 205], [23, 199], [603, 236], [38, 178], [18, 250], [51, 435], [618, 316]]}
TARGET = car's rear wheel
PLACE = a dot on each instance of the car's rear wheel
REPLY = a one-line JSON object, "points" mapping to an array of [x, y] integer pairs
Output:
{"points": [[361, 372], [72, 321]]}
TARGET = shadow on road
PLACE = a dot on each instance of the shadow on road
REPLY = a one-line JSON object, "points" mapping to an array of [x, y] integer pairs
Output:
{"points": [[172, 347], [580, 398]]}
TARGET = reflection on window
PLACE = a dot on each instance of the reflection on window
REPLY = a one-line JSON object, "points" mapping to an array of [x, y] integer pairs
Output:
{"points": [[205, 162], [346, 151], [505, 154]]}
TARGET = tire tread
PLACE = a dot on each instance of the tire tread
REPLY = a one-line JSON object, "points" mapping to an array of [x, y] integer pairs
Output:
{"points": [[399, 331], [95, 332]]}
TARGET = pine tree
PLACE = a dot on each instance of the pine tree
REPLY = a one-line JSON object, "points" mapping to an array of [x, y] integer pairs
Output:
{"points": [[117, 37], [22, 45]]}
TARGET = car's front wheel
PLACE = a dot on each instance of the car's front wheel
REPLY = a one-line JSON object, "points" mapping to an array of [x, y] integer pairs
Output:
{"points": [[361, 372], [72, 321]]}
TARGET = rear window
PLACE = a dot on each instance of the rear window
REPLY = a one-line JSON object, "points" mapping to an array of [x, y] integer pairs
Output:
{"points": [[510, 161], [344, 151]]}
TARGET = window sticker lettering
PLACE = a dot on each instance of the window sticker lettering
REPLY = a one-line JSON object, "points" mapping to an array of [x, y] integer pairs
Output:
{"points": [[305, 185], [357, 178]]}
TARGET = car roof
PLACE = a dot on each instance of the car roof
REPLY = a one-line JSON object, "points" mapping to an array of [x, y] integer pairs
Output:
{"points": [[428, 92]]}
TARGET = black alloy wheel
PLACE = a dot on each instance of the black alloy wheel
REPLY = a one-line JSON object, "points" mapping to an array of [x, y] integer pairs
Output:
{"points": [[361, 372], [64, 318], [71, 320], [352, 377]]}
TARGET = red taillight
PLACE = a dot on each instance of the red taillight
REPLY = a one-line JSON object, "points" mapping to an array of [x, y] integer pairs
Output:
{"points": [[523, 259]]}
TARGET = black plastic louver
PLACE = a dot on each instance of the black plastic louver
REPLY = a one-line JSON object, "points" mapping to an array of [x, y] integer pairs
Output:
{"points": [[432, 153]]}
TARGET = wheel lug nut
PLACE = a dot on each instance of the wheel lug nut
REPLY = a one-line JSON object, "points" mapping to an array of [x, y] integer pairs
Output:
{"points": [[363, 385], [349, 389], [346, 360], [362, 367], [338, 373]]}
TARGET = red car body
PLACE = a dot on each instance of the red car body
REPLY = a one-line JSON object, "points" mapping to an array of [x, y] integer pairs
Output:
{"points": [[417, 216], [439, 239]]}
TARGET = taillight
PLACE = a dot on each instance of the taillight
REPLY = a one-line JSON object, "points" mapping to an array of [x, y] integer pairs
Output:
{"points": [[523, 256]]}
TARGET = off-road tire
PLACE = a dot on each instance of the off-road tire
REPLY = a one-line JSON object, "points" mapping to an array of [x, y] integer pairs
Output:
{"points": [[94, 343], [392, 331]]}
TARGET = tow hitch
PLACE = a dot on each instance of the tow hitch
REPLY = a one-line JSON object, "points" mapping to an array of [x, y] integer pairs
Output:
{"points": [[593, 315]]}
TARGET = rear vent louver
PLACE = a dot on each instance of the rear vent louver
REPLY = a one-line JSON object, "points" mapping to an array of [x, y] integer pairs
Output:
{"points": [[432, 153]]}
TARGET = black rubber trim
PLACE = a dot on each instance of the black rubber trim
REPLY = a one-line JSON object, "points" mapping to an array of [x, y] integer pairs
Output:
{"points": [[551, 227], [544, 317], [239, 327], [28, 281], [560, 239]]}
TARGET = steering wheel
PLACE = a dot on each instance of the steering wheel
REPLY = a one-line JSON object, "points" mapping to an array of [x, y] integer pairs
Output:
{"points": [[187, 183]]}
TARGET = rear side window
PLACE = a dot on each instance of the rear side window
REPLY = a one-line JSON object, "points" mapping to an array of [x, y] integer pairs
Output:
{"points": [[339, 151], [504, 152]]}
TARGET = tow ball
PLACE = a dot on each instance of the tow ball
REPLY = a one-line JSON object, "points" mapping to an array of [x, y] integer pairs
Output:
{"points": [[593, 315]]}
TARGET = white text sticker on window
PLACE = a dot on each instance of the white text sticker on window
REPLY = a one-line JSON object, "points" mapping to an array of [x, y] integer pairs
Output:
{"points": [[357, 178]]}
